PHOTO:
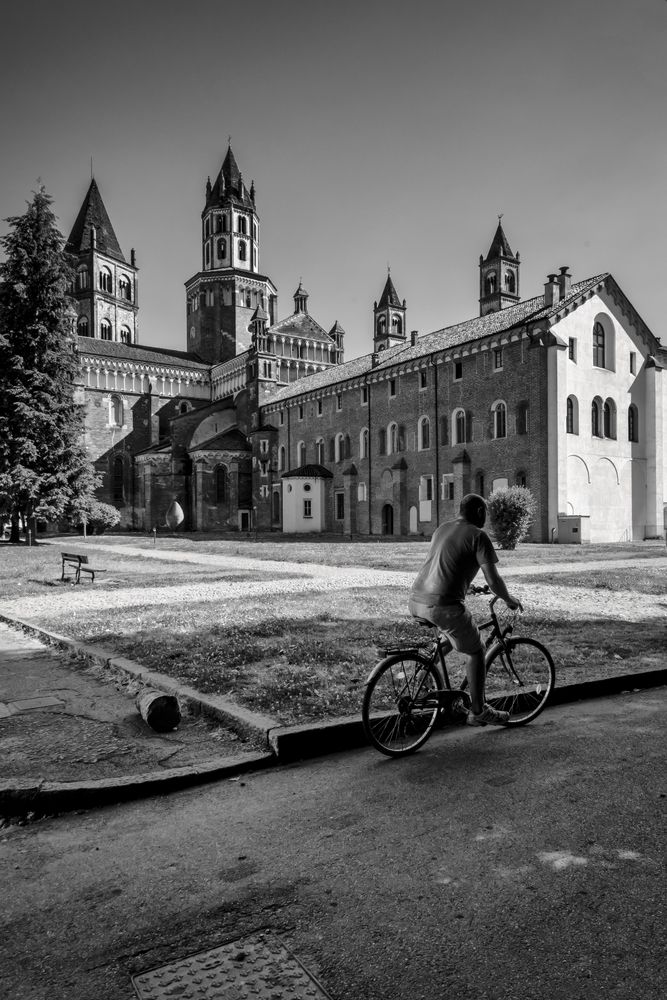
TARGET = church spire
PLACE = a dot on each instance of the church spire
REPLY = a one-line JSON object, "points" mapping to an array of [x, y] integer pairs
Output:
{"points": [[388, 318], [498, 274]]}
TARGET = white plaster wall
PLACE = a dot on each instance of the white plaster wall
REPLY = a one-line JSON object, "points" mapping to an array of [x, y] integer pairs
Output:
{"points": [[295, 491], [604, 477]]}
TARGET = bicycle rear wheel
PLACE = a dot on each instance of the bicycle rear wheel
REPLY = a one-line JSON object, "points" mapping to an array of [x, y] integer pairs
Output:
{"points": [[401, 704], [520, 679]]}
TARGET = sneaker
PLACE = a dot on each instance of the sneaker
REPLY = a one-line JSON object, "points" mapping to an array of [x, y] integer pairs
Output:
{"points": [[488, 717]]}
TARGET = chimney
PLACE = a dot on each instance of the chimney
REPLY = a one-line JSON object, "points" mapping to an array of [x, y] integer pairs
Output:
{"points": [[564, 282], [414, 335], [551, 290], [375, 359]]}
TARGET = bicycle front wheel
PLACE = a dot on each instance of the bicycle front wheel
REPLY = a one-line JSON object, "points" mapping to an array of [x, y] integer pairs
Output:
{"points": [[519, 679], [401, 704]]}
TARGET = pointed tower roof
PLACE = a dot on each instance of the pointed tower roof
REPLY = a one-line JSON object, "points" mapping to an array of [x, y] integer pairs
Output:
{"points": [[93, 214], [500, 245], [389, 297], [229, 183], [260, 314], [336, 328]]}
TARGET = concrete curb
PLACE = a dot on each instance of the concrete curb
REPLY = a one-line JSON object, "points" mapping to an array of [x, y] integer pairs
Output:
{"points": [[283, 744]]}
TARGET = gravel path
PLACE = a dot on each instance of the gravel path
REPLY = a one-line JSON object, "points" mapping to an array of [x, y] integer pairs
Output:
{"points": [[562, 602]]}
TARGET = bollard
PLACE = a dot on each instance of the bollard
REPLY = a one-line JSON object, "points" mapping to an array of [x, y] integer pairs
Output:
{"points": [[159, 711]]}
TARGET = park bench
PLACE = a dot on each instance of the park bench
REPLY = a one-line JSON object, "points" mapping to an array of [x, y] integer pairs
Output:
{"points": [[81, 564]]}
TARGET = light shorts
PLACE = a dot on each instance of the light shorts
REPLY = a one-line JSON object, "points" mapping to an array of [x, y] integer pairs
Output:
{"points": [[455, 620]]}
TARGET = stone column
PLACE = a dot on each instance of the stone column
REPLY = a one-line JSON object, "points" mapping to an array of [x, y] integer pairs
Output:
{"points": [[654, 432]]}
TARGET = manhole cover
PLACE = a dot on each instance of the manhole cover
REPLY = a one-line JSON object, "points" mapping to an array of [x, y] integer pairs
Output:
{"points": [[257, 967]]}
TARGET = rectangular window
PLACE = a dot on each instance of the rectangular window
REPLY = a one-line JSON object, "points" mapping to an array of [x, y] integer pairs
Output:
{"points": [[458, 371], [264, 446], [340, 505], [301, 411], [633, 363], [361, 492], [497, 359], [572, 348], [364, 395], [447, 488], [319, 407], [339, 401], [426, 488], [598, 346], [392, 386], [307, 508], [423, 380], [282, 417]]}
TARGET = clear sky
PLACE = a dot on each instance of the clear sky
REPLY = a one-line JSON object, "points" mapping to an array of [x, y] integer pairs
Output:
{"points": [[376, 133]]}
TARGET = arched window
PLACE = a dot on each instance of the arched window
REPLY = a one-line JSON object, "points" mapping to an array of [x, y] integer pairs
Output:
{"points": [[396, 325], [281, 458], [105, 329], [117, 477], [106, 281], [222, 248], [248, 300], [459, 425], [242, 226], [301, 453], [599, 345], [82, 326], [319, 451], [363, 443], [424, 433], [572, 415], [490, 283], [82, 278], [242, 250], [499, 412], [116, 411], [609, 419], [183, 408], [125, 335], [633, 423], [596, 418], [221, 484], [340, 448], [382, 325], [124, 287], [510, 283], [392, 439]]}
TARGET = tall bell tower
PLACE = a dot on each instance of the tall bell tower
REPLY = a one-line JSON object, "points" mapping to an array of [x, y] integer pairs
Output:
{"points": [[223, 296], [498, 275], [388, 319]]}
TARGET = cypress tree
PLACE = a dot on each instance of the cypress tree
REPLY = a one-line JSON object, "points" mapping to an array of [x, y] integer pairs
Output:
{"points": [[43, 466]]}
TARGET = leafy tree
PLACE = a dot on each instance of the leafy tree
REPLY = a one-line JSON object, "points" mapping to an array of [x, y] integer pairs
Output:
{"points": [[43, 466], [511, 512], [95, 515]]}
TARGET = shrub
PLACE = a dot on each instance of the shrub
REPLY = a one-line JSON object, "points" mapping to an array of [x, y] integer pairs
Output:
{"points": [[98, 516], [511, 512]]}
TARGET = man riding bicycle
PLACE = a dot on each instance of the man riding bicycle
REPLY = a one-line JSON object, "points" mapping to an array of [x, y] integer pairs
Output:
{"points": [[458, 550]]}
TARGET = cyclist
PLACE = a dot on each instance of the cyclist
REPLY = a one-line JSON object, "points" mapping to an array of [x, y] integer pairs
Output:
{"points": [[459, 548]]}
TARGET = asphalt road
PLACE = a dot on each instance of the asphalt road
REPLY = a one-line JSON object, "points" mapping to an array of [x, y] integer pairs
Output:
{"points": [[492, 864]]}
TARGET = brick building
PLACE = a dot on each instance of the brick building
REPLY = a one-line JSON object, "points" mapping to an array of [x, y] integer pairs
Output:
{"points": [[261, 422]]}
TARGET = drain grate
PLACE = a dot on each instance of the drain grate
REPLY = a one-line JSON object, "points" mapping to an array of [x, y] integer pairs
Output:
{"points": [[258, 967]]}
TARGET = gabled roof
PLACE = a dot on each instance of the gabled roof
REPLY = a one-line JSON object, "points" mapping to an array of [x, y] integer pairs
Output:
{"points": [[308, 472], [301, 324], [389, 297], [231, 439], [135, 352], [93, 214], [499, 246], [530, 311]]}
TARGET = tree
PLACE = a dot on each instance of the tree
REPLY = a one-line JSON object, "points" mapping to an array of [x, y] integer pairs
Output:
{"points": [[511, 512], [43, 465]]}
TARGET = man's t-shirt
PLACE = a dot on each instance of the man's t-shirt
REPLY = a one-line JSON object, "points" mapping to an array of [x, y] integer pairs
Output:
{"points": [[458, 549]]}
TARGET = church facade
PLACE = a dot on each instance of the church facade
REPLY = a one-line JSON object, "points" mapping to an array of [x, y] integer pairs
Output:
{"points": [[261, 423]]}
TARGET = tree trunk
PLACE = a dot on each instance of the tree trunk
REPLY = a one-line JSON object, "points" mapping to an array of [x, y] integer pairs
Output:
{"points": [[15, 533]]}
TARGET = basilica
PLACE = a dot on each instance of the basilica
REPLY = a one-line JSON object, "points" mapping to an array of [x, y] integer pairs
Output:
{"points": [[261, 425]]}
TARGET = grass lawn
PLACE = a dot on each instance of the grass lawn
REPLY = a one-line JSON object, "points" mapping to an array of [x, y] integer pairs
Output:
{"points": [[299, 655]]}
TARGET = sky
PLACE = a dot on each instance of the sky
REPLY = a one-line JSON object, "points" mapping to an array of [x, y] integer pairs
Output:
{"points": [[377, 133]]}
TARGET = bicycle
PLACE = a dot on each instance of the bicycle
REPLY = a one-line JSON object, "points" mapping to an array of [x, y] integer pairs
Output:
{"points": [[405, 695]]}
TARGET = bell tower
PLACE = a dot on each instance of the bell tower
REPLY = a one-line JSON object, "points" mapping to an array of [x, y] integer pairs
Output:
{"points": [[224, 295], [388, 319], [498, 275]]}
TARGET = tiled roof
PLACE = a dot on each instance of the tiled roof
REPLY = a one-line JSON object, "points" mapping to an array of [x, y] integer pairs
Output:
{"points": [[389, 295], [301, 324], [308, 472], [453, 336], [93, 213], [230, 439], [499, 246], [133, 352]]}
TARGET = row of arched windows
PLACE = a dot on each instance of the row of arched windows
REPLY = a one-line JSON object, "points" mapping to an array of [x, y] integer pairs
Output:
{"points": [[603, 418], [106, 330], [222, 225], [105, 282]]}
